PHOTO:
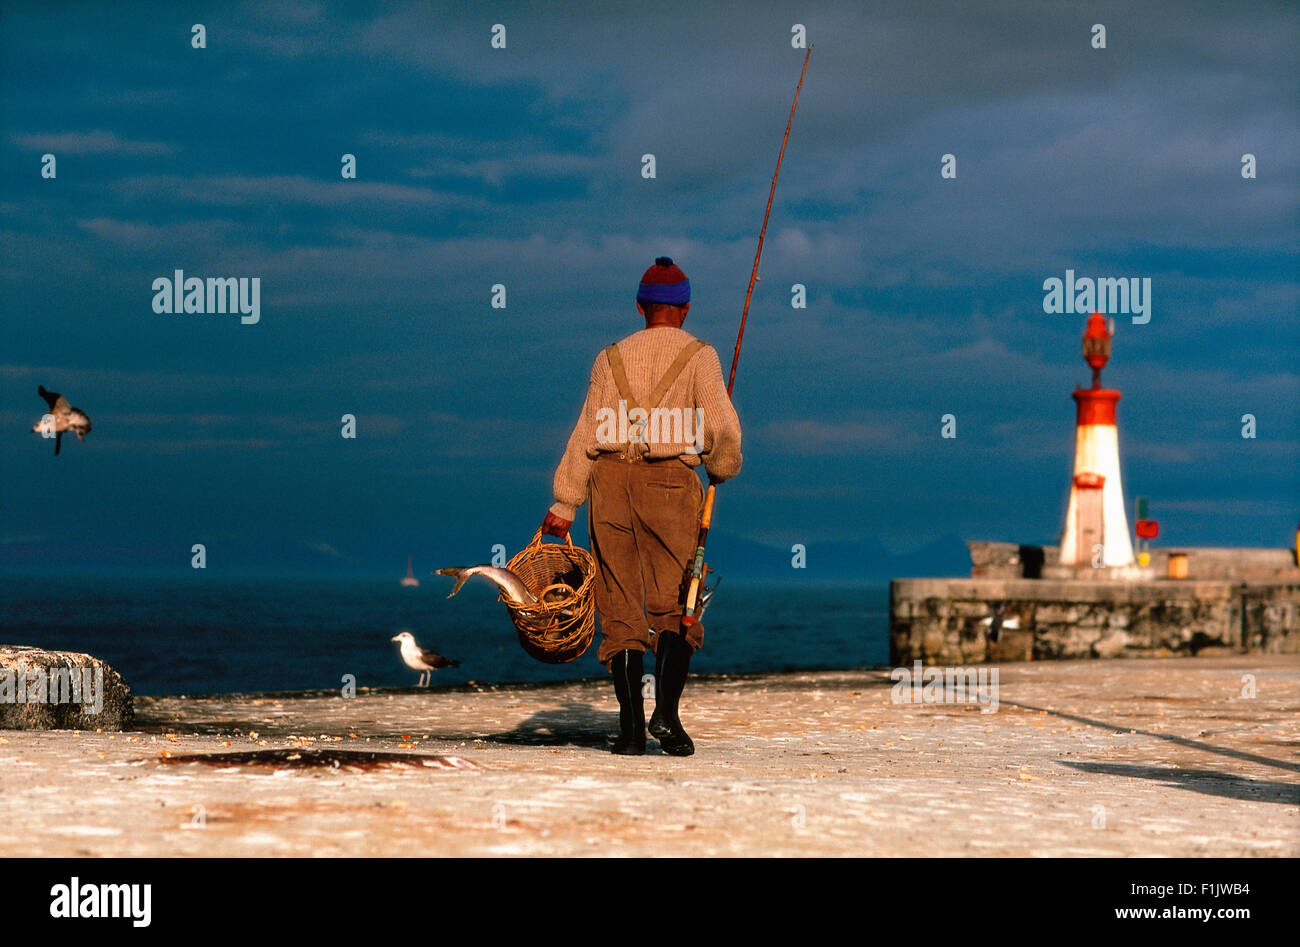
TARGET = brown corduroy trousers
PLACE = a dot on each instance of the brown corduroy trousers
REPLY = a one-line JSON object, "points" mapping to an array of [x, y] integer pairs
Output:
{"points": [[645, 519]]}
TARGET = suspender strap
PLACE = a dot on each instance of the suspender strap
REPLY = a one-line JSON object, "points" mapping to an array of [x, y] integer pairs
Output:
{"points": [[620, 376], [619, 371], [679, 363]]}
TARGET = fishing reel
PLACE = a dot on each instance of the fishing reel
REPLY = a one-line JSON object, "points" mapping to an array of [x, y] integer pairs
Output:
{"points": [[705, 594]]}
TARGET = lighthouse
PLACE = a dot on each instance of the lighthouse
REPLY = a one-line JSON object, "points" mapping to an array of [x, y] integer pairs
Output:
{"points": [[1096, 528]]}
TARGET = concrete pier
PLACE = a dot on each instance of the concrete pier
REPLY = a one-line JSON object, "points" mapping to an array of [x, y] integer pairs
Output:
{"points": [[1093, 758]]}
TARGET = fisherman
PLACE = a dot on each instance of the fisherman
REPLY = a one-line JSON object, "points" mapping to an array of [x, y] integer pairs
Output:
{"points": [[632, 458]]}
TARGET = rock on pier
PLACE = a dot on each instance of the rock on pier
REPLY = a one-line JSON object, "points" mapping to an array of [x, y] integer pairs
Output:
{"points": [[65, 690]]}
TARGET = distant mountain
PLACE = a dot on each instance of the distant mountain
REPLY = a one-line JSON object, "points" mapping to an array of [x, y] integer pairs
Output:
{"points": [[864, 560], [369, 555]]}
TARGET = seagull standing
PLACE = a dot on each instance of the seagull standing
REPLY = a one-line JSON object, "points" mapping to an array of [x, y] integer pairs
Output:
{"points": [[417, 659]]}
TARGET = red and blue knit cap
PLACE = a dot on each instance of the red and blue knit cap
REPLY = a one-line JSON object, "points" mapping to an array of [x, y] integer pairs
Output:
{"points": [[664, 283]]}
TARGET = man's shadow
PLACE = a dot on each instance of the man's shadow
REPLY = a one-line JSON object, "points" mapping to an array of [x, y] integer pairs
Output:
{"points": [[574, 724], [1210, 782]]}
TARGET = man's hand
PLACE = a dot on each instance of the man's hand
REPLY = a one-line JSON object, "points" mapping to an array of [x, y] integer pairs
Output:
{"points": [[554, 526]]}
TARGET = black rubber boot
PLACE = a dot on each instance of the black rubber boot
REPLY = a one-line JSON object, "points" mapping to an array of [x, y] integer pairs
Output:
{"points": [[627, 668], [672, 663]]}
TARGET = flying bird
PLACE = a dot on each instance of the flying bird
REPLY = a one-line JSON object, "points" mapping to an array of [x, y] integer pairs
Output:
{"points": [[417, 659], [998, 620], [64, 418]]}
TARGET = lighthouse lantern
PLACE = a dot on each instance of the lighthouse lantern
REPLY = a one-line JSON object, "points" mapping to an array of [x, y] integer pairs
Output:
{"points": [[1096, 514], [1096, 346]]}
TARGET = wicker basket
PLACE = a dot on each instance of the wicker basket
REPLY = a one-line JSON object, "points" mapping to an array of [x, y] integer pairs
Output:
{"points": [[559, 631]]}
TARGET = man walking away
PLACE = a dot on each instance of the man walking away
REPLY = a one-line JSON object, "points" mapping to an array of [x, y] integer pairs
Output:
{"points": [[656, 408]]}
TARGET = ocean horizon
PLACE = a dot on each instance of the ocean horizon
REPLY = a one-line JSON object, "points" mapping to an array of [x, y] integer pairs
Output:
{"points": [[200, 634]]}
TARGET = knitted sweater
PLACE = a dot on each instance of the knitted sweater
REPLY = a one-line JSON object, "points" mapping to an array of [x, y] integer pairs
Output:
{"points": [[695, 420]]}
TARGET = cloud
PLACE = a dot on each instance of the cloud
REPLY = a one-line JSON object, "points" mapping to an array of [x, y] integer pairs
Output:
{"points": [[496, 172], [811, 436], [1231, 506], [179, 447], [238, 190], [90, 143], [138, 235]]}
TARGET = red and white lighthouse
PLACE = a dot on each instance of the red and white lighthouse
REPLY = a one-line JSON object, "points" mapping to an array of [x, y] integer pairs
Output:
{"points": [[1096, 526]]}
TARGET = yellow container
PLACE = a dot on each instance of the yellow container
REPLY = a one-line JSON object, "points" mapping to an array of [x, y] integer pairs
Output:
{"points": [[1178, 565]]}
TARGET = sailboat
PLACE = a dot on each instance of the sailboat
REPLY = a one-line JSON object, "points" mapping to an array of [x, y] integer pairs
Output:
{"points": [[409, 581]]}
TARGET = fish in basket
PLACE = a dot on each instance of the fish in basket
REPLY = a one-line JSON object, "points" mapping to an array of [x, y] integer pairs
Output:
{"points": [[548, 588]]}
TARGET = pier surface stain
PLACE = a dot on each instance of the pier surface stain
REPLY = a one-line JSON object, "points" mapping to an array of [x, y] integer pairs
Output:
{"points": [[351, 760]]}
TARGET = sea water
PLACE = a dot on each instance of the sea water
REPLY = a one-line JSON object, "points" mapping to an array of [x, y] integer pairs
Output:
{"points": [[198, 635]]}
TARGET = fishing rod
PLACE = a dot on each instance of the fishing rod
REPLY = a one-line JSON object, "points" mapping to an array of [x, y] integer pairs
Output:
{"points": [[695, 575]]}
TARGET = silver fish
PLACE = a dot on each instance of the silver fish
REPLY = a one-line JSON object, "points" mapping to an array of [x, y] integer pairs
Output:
{"points": [[706, 596], [510, 584]]}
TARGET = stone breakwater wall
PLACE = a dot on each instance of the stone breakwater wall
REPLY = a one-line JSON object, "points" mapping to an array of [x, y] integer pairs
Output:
{"points": [[1001, 560], [942, 621]]}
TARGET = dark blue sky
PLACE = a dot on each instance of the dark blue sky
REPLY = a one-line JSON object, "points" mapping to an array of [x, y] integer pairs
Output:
{"points": [[522, 166]]}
